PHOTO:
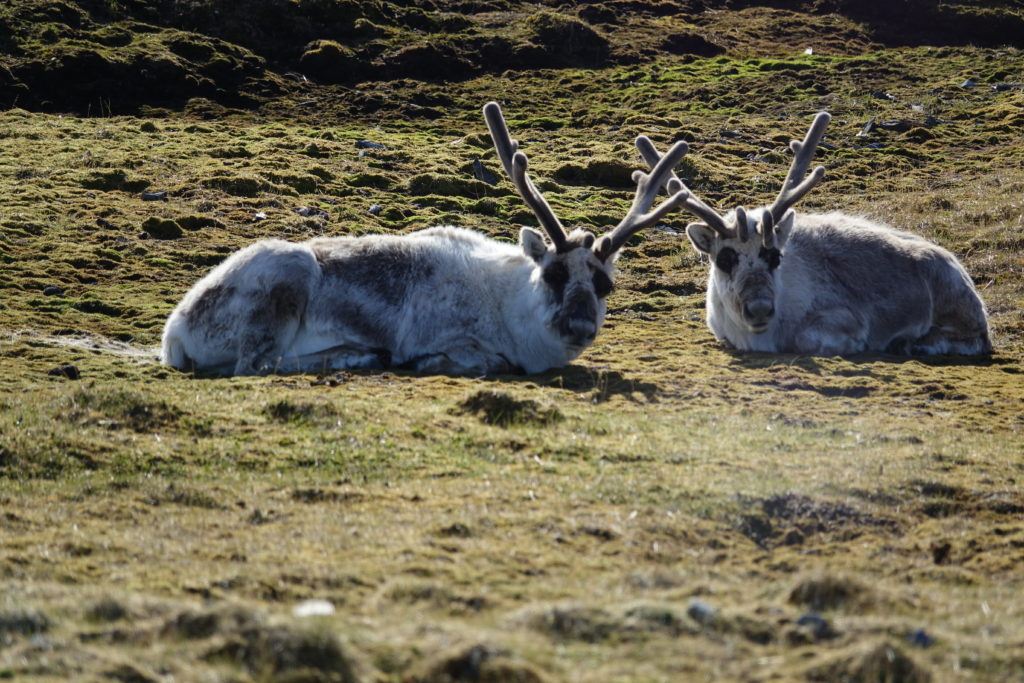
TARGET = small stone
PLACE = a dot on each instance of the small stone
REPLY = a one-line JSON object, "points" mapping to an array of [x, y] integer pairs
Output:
{"points": [[260, 216], [53, 290], [866, 129], [1002, 87], [311, 212], [369, 144], [700, 611], [154, 196], [809, 51], [69, 371], [818, 626], [375, 209], [968, 84], [921, 638], [313, 608], [483, 174]]}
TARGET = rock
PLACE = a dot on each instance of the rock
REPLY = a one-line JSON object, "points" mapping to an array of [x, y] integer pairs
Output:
{"points": [[369, 144], [482, 173], [375, 210], [701, 612], [69, 371], [259, 216], [921, 638], [898, 125], [968, 84], [311, 212], [162, 228], [866, 129], [313, 608], [154, 196], [53, 290], [817, 626]]}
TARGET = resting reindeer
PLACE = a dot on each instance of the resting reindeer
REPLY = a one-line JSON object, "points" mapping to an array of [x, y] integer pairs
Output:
{"points": [[829, 284], [441, 300]]}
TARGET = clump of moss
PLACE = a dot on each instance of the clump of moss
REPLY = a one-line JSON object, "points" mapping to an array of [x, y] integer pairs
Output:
{"points": [[448, 185], [328, 61], [162, 228], [567, 40], [828, 591], [116, 179]]}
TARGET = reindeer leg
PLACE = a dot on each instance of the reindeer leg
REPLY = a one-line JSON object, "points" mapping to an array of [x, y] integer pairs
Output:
{"points": [[834, 332], [270, 329]]}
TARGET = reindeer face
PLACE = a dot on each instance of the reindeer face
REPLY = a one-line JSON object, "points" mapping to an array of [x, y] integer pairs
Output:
{"points": [[576, 282], [745, 268]]}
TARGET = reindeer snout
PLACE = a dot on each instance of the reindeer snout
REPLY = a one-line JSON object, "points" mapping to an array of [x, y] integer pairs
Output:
{"points": [[580, 323], [759, 311]]}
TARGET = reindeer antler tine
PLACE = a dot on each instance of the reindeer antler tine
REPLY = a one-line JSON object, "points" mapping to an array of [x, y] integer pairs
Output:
{"points": [[515, 164], [768, 229], [796, 185], [741, 224], [648, 185], [673, 184]]}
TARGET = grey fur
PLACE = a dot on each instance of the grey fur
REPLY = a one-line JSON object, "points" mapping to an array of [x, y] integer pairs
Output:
{"points": [[842, 284]]}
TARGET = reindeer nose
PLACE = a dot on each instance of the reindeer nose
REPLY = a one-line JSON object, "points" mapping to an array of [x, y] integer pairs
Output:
{"points": [[759, 309], [580, 311]]}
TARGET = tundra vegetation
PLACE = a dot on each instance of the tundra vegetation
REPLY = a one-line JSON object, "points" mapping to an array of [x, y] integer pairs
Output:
{"points": [[660, 509]]}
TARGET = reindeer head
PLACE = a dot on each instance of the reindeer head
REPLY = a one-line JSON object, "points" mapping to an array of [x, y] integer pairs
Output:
{"points": [[576, 269], [747, 250]]}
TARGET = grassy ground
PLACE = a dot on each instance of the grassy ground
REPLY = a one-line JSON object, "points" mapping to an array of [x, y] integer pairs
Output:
{"points": [[662, 509]]}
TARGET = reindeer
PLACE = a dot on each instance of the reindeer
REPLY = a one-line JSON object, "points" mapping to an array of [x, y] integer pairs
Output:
{"points": [[828, 284], [442, 300]]}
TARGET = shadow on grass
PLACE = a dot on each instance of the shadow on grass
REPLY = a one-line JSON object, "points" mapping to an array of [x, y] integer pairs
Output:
{"points": [[601, 384], [755, 360]]}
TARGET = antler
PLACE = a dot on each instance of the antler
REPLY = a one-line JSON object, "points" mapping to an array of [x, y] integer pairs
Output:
{"points": [[791, 191], [768, 229], [647, 186], [672, 183], [515, 165]]}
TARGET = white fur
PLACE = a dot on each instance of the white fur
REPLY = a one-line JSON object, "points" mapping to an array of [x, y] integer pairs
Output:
{"points": [[439, 300]]}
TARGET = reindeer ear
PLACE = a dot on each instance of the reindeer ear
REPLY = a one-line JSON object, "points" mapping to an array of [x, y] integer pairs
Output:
{"points": [[701, 236], [533, 244], [783, 228]]}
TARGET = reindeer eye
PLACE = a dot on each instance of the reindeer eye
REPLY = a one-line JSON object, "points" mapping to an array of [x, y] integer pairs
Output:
{"points": [[771, 256], [726, 259], [556, 276], [602, 285]]}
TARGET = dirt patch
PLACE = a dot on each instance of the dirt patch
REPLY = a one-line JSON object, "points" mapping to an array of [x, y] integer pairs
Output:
{"points": [[790, 518]]}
